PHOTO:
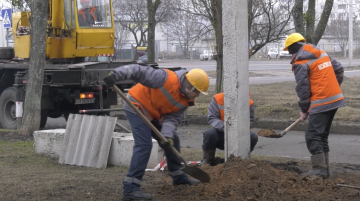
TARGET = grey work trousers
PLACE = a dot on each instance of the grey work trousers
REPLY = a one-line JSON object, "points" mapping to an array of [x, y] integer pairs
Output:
{"points": [[318, 130]]}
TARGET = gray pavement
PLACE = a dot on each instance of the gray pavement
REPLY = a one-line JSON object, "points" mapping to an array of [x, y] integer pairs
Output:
{"points": [[343, 148]]}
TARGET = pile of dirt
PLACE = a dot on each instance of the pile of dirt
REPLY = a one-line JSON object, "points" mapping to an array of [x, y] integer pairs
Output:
{"points": [[239, 179], [267, 133]]}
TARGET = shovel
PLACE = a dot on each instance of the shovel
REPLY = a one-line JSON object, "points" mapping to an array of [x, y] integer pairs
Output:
{"points": [[269, 133], [191, 170]]}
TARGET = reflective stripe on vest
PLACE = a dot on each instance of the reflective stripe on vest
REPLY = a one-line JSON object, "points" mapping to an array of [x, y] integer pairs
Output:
{"points": [[171, 99], [135, 102], [157, 102], [219, 98], [330, 99], [323, 83]]}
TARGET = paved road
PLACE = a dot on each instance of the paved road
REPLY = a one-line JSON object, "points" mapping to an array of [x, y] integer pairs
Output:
{"points": [[253, 65], [265, 80]]}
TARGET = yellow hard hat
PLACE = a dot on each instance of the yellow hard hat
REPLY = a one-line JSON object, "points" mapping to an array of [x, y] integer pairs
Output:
{"points": [[293, 38], [199, 79]]}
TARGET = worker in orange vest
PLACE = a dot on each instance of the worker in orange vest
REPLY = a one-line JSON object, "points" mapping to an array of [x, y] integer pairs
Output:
{"points": [[87, 14], [162, 95], [214, 137], [318, 79]]}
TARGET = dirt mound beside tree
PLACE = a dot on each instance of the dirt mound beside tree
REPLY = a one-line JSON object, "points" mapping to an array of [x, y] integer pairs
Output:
{"points": [[239, 179]]}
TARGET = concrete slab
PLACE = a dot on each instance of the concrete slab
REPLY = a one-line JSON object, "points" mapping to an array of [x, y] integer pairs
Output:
{"points": [[49, 143], [121, 151]]}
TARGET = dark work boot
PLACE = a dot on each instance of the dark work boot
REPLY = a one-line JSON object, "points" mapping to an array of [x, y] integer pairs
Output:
{"points": [[136, 195], [327, 163], [318, 166], [208, 157], [189, 182]]}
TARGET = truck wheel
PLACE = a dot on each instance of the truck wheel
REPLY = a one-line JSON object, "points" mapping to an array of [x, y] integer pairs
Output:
{"points": [[66, 116], [43, 120], [8, 108], [6, 52]]}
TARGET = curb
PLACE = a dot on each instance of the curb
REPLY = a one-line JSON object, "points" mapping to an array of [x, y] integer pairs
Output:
{"points": [[276, 124]]}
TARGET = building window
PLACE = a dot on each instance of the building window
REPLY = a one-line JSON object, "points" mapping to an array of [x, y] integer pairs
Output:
{"points": [[322, 6], [332, 15], [342, 15], [342, 6]]}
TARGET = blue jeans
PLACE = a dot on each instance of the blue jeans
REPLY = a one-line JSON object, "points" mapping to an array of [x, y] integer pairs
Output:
{"points": [[141, 153]]}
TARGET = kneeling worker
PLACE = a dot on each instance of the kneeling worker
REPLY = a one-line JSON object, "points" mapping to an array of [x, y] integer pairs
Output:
{"points": [[214, 137]]}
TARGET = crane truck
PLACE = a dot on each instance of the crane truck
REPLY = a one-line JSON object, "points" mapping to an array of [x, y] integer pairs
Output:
{"points": [[70, 85]]}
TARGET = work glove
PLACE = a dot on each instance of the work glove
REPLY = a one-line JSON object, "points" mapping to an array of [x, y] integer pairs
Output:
{"points": [[110, 80], [167, 145]]}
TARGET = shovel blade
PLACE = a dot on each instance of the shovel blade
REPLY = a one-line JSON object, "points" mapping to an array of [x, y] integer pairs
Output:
{"points": [[197, 173], [269, 133]]}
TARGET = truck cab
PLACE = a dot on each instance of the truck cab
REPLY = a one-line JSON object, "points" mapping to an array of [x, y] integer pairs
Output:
{"points": [[76, 29]]}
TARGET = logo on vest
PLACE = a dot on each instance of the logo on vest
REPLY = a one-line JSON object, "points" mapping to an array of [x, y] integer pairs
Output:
{"points": [[324, 65]]}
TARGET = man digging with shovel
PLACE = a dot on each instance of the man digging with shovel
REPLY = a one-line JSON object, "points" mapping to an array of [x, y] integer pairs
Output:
{"points": [[318, 79], [214, 137], [162, 96]]}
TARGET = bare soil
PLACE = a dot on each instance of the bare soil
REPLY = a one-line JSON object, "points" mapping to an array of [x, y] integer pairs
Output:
{"points": [[27, 176]]}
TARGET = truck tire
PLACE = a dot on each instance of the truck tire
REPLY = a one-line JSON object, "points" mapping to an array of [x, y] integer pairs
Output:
{"points": [[8, 108], [6, 52], [43, 120]]}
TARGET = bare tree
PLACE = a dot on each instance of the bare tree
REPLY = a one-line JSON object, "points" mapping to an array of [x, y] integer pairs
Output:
{"points": [[121, 36], [268, 22], [133, 16], [140, 16], [32, 107], [306, 22], [183, 28], [338, 29], [158, 12], [20, 5]]}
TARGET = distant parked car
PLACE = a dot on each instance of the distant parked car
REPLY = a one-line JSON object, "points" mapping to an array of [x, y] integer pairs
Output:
{"points": [[273, 54], [284, 54], [206, 55]]}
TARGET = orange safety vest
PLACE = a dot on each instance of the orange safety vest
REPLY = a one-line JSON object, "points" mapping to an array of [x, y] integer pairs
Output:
{"points": [[92, 13], [324, 86], [219, 98], [156, 102]]}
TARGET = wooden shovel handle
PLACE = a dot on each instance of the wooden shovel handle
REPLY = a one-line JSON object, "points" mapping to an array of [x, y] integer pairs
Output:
{"points": [[148, 123], [290, 127]]}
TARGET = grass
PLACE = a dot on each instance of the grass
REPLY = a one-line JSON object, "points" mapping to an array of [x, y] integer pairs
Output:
{"points": [[8, 130], [279, 101]]}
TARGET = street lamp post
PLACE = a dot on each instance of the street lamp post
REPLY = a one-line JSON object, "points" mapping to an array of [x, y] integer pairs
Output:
{"points": [[350, 32]]}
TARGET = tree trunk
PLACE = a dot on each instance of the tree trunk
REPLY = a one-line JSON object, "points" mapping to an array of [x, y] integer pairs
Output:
{"points": [[312, 34], [298, 17], [216, 6], [152, 7], [320, 29], [32, 107]]}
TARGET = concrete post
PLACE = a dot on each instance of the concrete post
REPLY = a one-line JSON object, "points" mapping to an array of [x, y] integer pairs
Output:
{"points": [[350, 32], [236, 78]]}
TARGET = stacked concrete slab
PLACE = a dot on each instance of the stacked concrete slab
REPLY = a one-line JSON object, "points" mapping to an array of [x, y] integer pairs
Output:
{"points": [[90, 141]]}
